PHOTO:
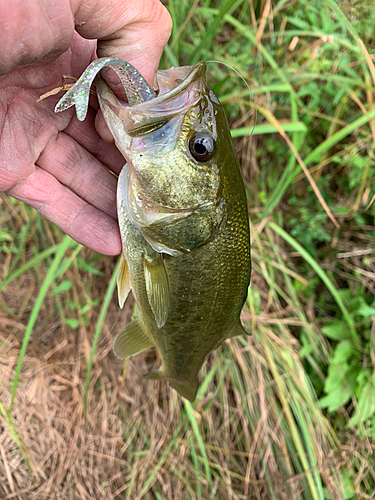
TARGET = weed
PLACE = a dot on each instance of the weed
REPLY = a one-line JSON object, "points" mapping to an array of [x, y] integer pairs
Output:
{"points": [[285, 413]]}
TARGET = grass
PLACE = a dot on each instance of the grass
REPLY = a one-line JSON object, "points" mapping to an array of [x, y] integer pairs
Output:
{"points": [[61, 250], [286, 413]]}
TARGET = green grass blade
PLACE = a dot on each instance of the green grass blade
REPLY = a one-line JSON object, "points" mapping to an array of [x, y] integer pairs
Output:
{"points": [[169, 55], [297, 140], [221, 469], [322, 275], [68, 262], [272, 87], [268, 129], [329, 77], [291, 171], [98, 329], [162, 459], [342, 18], [198, 437], [337, 37], [247, 33], [61, 249], [25, 230], [196, 468], [29, 265], [173, 14], [17, 437], [338, 136], [303, 426], [227, 7]]}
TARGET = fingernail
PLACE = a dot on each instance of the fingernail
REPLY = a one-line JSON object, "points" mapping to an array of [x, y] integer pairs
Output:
{"points": [[155, 85]]}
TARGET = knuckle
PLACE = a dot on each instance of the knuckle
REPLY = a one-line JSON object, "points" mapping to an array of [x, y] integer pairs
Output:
{"points": [[161, 17], [8, 179]]}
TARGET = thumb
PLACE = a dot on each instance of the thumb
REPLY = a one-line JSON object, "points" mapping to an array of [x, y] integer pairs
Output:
{"points": [[136, 31]]}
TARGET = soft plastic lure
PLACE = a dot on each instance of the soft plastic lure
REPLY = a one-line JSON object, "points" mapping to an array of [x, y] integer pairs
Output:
{"points": [[136, 88]]}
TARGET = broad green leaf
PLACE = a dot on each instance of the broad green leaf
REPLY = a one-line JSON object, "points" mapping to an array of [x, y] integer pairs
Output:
{"points": [[359, 307], [64, 286], [347, 482], [366, 403], [335, 399], [342, 352], [337, 330], [72, 323]]}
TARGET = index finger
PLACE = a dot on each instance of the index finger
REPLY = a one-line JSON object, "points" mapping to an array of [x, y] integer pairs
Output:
{"points": [[136, 31]]}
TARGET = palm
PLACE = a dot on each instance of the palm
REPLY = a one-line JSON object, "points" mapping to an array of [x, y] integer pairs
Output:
{"points": [[53, 162]]}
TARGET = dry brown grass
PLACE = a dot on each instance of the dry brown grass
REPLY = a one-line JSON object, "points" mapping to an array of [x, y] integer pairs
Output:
{"points": [[137, 440]]}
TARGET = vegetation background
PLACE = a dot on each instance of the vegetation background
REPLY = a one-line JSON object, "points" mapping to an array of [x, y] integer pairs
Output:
{"points": [[287, 413]]}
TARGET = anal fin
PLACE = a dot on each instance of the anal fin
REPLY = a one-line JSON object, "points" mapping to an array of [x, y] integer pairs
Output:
{"points": [[237, 330], [131, 341], [123, 281], [157, 288]]}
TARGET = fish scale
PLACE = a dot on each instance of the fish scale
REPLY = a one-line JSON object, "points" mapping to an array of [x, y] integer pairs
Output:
{"points": [[183, 221]]}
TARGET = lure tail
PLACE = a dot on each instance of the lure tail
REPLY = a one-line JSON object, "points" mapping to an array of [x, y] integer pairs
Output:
{"points": [[136, 87]]}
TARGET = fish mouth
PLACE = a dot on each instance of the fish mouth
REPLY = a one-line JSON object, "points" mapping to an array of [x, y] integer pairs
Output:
{"points": [[175, 81], [179, 89]]}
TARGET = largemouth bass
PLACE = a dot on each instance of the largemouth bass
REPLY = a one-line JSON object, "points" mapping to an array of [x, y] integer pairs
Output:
{"points": [[182, 214]]}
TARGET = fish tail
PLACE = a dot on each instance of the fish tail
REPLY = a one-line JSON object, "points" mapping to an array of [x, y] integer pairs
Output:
{"points": [[186, 388]]}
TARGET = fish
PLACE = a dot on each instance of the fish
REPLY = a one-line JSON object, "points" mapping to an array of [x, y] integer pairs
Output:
{"points": [[182, 214]]}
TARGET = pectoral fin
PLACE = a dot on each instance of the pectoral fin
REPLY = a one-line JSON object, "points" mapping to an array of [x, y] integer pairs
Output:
{"points": [[131, 341], [157, 288], [123, 281], [178, 234]]}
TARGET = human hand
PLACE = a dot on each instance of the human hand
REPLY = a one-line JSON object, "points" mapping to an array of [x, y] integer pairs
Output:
{"points": [[52, 161]]}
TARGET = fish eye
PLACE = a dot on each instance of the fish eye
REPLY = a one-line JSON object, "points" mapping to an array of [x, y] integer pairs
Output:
{"points": [[202, 146]]}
